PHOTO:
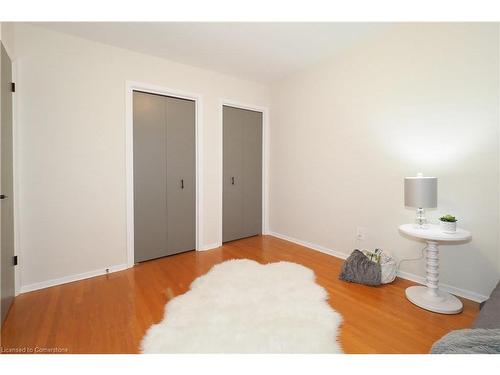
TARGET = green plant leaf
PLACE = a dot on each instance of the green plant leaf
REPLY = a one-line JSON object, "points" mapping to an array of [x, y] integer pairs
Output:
{"points": [[448, 218]]}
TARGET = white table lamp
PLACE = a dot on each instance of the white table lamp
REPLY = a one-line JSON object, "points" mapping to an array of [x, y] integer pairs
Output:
{"points": [[421, 193]]}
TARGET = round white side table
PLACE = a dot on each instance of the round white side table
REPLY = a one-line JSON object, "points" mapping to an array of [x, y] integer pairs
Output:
{"points": [[429, 297]]}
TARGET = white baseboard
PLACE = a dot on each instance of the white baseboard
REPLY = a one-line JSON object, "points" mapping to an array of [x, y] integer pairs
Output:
{"points": [[210, 246], [310, 245], [473, 296], [71, 278], [86, 275]]}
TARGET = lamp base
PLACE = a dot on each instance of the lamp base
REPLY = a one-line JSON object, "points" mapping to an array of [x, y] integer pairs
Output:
{"points": [[420, 219]]}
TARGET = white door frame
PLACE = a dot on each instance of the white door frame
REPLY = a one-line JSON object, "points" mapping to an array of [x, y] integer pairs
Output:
{"points": [[265, 160], [130, 86]]}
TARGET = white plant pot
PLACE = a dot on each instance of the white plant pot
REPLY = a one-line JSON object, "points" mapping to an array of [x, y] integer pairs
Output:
{"points": [[448, 227]]}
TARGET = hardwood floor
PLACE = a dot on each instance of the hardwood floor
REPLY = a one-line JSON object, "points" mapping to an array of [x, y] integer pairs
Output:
{"points": [[109, 314]]}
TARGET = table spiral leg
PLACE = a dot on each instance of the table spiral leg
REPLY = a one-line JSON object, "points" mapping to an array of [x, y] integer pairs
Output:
{"points": [[429, 297], [432, 276]]}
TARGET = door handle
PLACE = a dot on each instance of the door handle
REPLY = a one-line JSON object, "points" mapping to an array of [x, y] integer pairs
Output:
{"points": [[232, 180], [182, 184], [2, 196]]}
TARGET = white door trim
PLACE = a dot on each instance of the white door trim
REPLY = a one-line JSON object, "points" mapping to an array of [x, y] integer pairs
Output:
{"points": [[130, 86], [265, 160]]}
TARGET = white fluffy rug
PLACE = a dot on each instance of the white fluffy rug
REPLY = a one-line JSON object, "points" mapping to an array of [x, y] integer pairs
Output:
{"points": [[241, 306]]}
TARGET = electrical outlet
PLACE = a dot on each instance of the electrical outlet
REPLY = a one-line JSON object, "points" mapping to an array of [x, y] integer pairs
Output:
{"points": [[360, 233]]}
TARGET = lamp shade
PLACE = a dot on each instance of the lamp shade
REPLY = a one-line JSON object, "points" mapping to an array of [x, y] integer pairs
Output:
{"points": [[421, 192]]}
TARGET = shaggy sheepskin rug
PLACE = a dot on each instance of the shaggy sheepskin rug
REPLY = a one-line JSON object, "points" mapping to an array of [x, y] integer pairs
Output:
{"points": [[241, 306]]}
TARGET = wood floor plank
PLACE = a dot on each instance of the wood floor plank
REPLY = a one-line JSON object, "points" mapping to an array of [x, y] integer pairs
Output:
{"points": [[110, 314]]}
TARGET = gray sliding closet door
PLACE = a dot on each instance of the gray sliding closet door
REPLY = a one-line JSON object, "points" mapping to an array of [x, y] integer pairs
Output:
{"points": [[242, 175], [150, 177], [164, 176], [232, 205], [252, 173], [7, 283], [181, 181]]}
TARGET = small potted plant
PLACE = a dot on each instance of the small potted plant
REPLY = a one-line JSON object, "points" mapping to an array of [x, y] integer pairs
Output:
{"points": [[448, 224]]}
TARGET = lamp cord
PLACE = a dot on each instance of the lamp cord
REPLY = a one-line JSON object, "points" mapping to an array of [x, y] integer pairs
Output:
{"points": [[422, 256], [413, 259]]}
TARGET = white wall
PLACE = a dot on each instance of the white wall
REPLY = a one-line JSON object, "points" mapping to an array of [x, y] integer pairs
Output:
{"points": [[71, 148], [419, 98]]}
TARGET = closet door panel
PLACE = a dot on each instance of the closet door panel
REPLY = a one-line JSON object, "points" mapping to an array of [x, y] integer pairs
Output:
{"points": [[232, 205], [252, 173], [181, 175], [150, 177], [7, 253]]}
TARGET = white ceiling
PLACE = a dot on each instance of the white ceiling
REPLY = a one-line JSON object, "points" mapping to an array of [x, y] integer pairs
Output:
{"points": [[262, 52]]}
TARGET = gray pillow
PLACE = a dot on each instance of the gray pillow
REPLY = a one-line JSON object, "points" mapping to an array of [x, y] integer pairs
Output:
{"points": [[469, 341], [359, 269]]}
